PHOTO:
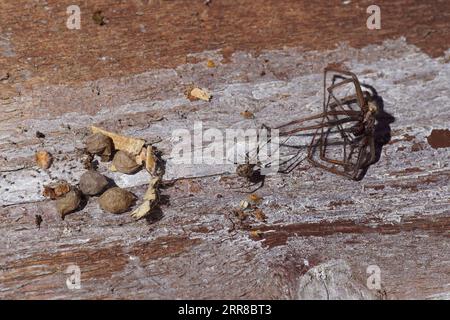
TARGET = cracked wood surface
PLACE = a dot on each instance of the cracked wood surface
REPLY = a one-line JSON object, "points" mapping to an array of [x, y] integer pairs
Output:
{"points": [[397, 217]]}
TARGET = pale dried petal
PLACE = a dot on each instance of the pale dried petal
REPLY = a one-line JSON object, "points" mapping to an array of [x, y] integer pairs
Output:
{"points": [[150, 200], [151, 193], [200, 94], [129, 144], [150, 160], [140, 158], [142, 210]]}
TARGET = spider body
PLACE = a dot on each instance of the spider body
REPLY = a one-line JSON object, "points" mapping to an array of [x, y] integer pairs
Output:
{"points": [[245, 170]]}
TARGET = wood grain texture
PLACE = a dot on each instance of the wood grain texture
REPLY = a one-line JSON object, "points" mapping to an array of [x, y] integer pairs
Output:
{"points": [[269, 57]]}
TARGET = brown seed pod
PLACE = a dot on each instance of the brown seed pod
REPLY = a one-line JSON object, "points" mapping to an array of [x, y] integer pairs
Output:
{"points": [[125, 163], [69, 202], [43, 159], [101, 145], [92, 183], [56, 190], [116, 200]]}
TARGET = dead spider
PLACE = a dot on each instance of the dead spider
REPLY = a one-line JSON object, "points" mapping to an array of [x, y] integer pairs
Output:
{"points": [[251, 170], [347, 120]]}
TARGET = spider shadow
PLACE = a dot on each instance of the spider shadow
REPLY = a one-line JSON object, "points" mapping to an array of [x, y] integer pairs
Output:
{"points": [[382, 131], [256, 178]]}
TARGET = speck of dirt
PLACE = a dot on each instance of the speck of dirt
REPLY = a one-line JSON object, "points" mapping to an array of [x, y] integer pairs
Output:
{"points": [[417, 147], [227, 53], [439, 138], [40, 135], [99, 18], [38, 220]]}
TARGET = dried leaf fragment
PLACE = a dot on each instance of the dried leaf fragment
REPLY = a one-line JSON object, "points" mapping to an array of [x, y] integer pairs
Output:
{"points": [[129, 144], [152, 192], [142, 210], [56, 190], [150, 200], [259, 215], [247, 114], [256, 233], [254, 198], [43, 159], [140, 158], [194, 93], [150, 160], [244, 204]]}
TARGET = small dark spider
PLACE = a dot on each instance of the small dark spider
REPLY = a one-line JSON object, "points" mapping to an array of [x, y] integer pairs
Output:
{"points": [[251, 173], [245, 170]]}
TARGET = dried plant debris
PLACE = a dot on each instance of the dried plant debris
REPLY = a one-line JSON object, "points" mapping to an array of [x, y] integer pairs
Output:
{"points": [[194, 93], [151, 160], [43, 159], [244, 204], [101, 145], [210, 64], [256, 234], [151, 199], [87, 160], [254, 198], [237, 218], [99, 18], [93, 183], [69, 202], [56, 189], [141, 157], [125, 163], [247, 114], [128, 144], [116, 200], [259, 215], [130, 155]]}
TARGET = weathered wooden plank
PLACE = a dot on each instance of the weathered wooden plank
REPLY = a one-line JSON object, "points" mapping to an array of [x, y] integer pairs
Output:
{"points": [[397, 217]]}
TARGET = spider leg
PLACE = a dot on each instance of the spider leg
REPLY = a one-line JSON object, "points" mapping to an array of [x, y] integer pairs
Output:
{"points": [[261, 184]]}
